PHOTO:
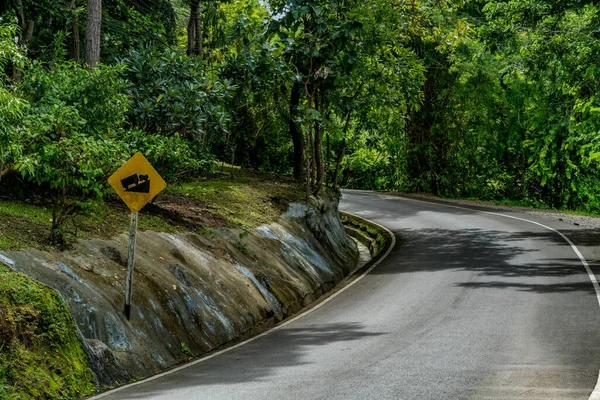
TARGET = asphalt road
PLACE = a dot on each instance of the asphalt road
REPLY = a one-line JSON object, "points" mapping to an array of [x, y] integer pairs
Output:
{"points": [[468, 305]]}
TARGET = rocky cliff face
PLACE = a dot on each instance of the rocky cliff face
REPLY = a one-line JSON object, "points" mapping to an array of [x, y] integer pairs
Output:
{"points": [[192, 294]]}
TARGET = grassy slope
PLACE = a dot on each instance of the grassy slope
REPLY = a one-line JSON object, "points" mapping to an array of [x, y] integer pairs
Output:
{"points": [[245, 199], [40, 356], [242, 198]]}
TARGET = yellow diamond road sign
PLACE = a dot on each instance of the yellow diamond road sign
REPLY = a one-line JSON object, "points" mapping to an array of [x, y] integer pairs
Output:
{"points": [[136, 182]]}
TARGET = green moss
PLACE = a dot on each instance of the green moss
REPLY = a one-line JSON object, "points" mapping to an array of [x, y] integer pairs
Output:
{"points": [[41, 356], [370, 230], [246, 198]]}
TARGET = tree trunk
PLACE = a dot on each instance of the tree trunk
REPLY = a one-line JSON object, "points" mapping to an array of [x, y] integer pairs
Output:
{"points": [[199, 37], [308, 159], [194, 33], [191, 33], [297, 138], [18, 6], [93, 32], [338, 164], [26, 32], [328, 165], [26, 26], [74, 45], [319, 158], [318, 151], [340, 157]]}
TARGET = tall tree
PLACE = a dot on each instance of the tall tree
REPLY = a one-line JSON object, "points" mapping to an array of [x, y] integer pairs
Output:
{"points": [[93, 32], [194, 30], [74, 47]]}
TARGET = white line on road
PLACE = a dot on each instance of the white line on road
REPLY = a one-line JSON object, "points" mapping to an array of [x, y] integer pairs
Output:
{"points": [[596, 392], [270, 331]]}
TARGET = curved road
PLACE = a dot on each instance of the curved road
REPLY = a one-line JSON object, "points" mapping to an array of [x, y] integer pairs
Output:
{"points": [[468, 305]]}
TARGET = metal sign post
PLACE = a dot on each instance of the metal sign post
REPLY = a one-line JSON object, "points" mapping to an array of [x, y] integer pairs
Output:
{"points": [[130, 262], [137, 183]]}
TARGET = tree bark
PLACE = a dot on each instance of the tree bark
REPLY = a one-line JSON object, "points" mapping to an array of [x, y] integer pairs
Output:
{"points": [[340, 157], [308, 159], [26, 26], [328, 164], [338, 164], [191, 33], [74, 45], [297, 138], [318, 150], [194, 30], [18, 6], [93, 32], [199, 37]]}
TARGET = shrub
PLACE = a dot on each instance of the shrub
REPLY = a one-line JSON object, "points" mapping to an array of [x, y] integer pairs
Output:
{"points": [[172, 96], [71, 171], [98, 94], [175, 158], [11, 106]]}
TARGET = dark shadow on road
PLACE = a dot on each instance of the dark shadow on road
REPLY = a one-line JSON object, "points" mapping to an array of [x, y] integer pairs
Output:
{"points": [[539, 288], [496, 257], [286, 349]]}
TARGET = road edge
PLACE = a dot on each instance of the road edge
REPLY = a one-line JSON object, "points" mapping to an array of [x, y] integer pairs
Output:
{"points": [[352, 278], [595, 395]]}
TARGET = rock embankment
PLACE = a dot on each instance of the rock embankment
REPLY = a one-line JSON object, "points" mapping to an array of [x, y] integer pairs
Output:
{"points": [[192, 293]]}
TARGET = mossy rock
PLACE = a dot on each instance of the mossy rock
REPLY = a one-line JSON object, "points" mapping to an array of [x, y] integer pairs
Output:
{"points": [[40, 354]]}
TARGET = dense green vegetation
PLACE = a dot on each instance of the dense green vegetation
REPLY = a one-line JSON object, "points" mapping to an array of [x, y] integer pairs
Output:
{"points": [[487, 99], [40, 354], [483, 99]]}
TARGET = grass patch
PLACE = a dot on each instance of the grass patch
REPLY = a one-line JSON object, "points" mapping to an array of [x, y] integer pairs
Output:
{"points": [[28, 225], [40, 355], [235, 198], [242, 197]]}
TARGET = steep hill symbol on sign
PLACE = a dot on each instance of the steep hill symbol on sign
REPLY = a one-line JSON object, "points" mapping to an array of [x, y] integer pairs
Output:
{"points": [[136, 183]]}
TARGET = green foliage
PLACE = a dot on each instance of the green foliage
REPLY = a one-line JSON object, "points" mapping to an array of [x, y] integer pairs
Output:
{"points": [[172, 96], [10, 52], [72, 170], [185, 350], [41, 355], [69, 135], [492, 99], [174, 158], [97, 95], [11, 106], [133, 24]]}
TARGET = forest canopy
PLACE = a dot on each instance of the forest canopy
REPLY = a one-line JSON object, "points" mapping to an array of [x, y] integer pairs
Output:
{"points": [[484, 99]]}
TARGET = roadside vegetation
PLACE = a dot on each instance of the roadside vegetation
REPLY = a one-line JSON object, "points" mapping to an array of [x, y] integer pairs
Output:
{"points": [[477, 99], [40, 354], [228, 197], [493, 100]]}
